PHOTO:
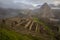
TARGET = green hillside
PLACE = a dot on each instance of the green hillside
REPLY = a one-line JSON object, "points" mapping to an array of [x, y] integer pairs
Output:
{"points": [[11, 35]]}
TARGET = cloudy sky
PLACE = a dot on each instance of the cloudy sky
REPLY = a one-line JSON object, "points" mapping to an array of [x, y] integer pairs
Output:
{"points": [[30, 2]]}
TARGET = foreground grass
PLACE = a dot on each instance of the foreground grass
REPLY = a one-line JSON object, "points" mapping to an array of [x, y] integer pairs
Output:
{"points": [[11, 35]]}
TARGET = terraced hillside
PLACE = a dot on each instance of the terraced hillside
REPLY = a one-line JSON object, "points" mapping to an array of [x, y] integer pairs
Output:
{"points": [[28, 26], [33, 24]]}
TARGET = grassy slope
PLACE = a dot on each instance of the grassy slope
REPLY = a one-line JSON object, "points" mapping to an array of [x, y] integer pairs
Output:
{"points": [[12, 35]]}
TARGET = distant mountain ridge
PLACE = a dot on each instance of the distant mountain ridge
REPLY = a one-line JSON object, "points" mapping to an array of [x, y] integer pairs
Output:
{"points": [[9, 12], [43, 11]]}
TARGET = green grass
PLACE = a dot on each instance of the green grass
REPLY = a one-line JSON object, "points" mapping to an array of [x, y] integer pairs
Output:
{"points": [[11, 35]]}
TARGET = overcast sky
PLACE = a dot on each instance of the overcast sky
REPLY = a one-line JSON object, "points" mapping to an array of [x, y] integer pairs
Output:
{"points": [[56, 2], [30, 2]]}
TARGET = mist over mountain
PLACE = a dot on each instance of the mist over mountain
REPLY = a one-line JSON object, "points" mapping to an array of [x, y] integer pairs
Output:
{"points": [[16, 6], [37, 19], [12, 9], [55, 6], [21, 5]]}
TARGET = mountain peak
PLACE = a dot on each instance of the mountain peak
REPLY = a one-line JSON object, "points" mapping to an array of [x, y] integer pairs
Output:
{"points": [[46, 11], [45, 5]]}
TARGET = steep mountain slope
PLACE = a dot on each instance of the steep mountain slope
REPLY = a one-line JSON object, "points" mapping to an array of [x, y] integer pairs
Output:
{"points": [[46, 11], [56, 13], [43, 12]]}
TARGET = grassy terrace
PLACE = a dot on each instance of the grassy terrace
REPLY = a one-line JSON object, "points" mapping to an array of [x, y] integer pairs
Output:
{"points": [[46, 27]]}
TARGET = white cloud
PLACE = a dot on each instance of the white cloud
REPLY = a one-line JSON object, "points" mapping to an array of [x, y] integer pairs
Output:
{"points": [[56, 3], [25, 2]]}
